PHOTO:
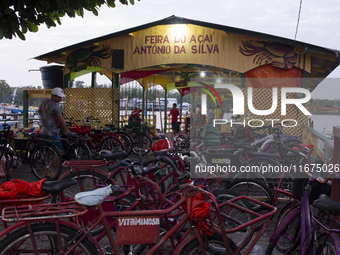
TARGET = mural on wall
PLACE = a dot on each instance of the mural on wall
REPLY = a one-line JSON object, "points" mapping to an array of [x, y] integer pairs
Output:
{"points": [[279, 55], [79, 59]]}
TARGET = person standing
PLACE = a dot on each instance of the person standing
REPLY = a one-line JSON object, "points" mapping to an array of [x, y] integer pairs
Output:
{"points": [[218, 113], [51, 118], [210, 115], [174, 119]]}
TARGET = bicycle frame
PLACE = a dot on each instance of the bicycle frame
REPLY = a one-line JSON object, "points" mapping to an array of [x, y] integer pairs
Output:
{"points": [[26, 219]]}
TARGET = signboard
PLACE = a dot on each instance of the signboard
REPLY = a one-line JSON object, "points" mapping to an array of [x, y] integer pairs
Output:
{"points": [[137, 230]]}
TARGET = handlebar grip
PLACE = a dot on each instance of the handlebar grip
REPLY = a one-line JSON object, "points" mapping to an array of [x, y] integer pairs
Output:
{"points": [[150, 169], [124, 162], [167, 159]]}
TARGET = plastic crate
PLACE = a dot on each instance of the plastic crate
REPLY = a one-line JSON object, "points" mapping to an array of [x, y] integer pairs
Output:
{"points": [[21, 144]]}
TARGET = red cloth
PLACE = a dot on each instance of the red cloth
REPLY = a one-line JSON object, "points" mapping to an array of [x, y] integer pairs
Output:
{"points": [[161, 145], [174, 115], [17, 187], [198, 210]]}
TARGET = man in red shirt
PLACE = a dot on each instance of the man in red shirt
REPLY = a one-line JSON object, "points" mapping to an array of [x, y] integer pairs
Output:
{"points": [[174, 119]]}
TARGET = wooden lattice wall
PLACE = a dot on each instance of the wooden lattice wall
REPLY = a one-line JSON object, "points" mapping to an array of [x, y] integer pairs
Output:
{"points": [[101, 103]]}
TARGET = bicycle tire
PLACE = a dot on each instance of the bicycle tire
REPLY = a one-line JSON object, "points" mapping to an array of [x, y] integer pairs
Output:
{"points": [[286, 237], [327, 246], [88, 180], [7, 153], [214, 245], [142, 141], [112, 143], [127, 140], [78, 151], [164, 249], [46, 236], [253, 188], [238, 237], [8, 170], [45, 161]]}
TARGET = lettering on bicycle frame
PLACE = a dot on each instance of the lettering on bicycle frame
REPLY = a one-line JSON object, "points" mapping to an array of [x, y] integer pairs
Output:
{"points": [[137, 230]]}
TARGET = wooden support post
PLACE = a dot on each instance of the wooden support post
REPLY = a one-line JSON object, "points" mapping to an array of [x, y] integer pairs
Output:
{"points": [[143, 98], [166, 111], [93, 79], [116, 85], [25, 108], [180, 110], [336, 161]]}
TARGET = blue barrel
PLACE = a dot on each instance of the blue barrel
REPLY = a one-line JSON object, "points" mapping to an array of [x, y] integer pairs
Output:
{"points": [[52, 76]]}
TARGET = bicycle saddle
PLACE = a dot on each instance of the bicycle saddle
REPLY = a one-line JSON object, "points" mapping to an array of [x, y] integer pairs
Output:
{"points": [[160, 153], [112, 155], [325, 203], [56, 187]]}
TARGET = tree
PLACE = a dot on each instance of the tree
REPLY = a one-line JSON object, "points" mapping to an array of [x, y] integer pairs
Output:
{"points": [[5, 91], [18, 17]]}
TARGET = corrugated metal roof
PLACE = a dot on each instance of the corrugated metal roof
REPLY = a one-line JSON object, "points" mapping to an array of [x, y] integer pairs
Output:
{"points": [[179, 20]]}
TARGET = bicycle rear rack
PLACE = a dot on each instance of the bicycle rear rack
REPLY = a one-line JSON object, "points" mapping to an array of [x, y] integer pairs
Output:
{"points": [[43, 211], [83, 163]]}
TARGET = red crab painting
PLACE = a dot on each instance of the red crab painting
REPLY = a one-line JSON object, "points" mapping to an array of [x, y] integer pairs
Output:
{"points": [[279, 55]]}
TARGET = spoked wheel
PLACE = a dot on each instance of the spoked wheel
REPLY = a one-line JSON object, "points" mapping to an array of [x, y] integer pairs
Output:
{"points": [[45, 161], [143, 142], [78, 151], [45, 239], [213, 245], [112, 144]]}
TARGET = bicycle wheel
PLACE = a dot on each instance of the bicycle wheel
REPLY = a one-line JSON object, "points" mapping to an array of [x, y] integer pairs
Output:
{"points": [[127, 141], [214, 245], [237, 216], [252, 188], [7, 153], [8, 169], [326, 246], [112, 144], [45, 161], [142, 141], [45, 238], [78, 151], [290, 229], [87, 180]]}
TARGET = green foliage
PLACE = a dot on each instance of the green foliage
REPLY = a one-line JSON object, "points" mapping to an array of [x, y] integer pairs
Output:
{"points": [[20, 16]]}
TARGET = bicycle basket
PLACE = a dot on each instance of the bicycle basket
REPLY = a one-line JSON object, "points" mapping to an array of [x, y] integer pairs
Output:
{"points": [[21, 144]]}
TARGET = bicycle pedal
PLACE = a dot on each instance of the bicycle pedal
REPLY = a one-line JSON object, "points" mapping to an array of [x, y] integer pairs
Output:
{"points": [[108, 250]]}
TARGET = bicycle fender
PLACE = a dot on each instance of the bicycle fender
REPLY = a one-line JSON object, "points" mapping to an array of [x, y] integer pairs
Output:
{"points": [[283, 224], [180, 247]]}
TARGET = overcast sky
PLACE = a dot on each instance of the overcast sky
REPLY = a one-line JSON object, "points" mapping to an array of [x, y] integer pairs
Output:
{"points": [[319, 25]]}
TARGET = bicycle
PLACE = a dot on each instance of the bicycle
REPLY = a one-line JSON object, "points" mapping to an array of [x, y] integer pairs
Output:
{"points": [[100, 139], [305, 228], [41, 154], [71, 237]]}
